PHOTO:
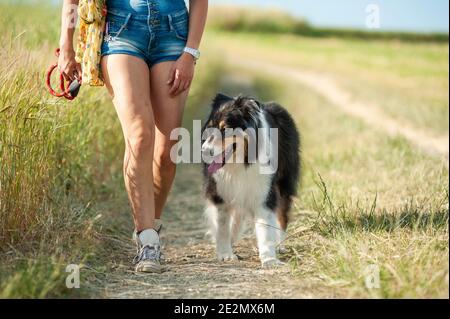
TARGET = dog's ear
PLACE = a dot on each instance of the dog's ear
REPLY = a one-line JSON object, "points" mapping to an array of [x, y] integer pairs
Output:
{"points": [[220, 99], [258, 103], [255, 102]]}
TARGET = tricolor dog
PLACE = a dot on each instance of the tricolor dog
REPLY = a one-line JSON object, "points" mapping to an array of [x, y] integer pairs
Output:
{"points": [[251, 170]]}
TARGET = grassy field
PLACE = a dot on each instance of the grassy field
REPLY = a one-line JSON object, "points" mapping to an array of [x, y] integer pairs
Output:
{"points": [[409, 82], [370, 200], [367, 199], [273, 21]]}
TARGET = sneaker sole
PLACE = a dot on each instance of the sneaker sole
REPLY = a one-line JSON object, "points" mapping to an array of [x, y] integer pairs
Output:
{"points": [[148, 269]]}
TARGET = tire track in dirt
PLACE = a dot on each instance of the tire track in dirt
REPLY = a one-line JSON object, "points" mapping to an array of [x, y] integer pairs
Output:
{"points": [[372, 115], [192, 270]]}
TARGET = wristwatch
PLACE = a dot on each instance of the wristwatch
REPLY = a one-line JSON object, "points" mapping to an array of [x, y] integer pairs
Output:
{"points": [[194, 52]]}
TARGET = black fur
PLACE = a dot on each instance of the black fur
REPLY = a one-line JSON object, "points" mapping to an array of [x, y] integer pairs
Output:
{"points": [[288, 173], [286, 180], [211, 191]]}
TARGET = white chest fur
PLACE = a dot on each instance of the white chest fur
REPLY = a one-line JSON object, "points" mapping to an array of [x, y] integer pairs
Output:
{"points": [[242, 187]]}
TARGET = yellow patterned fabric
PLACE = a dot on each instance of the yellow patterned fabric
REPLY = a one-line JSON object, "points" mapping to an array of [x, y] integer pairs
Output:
{"points": [[92, 15]]}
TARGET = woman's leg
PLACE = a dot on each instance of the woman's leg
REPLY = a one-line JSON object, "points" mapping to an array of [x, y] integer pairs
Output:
{"points": [[128, 81], [168, 112]]}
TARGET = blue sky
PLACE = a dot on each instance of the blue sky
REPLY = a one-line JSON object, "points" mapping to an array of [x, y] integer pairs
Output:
{"points": [[404, 15]]}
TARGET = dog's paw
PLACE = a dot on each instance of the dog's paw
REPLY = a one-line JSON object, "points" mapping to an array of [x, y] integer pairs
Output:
{"points": [[272, 263], [226, 256]]}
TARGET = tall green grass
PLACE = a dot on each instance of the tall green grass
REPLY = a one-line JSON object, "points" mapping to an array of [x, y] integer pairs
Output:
{"points": [[57, 159], [60, 162]]}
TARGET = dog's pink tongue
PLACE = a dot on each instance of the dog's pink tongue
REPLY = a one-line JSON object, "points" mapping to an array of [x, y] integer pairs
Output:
{"points": [[214, 167]]}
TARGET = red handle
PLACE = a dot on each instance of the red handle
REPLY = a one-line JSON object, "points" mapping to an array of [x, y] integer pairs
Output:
{"points": [[64, 91]]}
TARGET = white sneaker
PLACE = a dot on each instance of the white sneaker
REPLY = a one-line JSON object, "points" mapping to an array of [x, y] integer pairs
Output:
{"points": [[148, 254]]}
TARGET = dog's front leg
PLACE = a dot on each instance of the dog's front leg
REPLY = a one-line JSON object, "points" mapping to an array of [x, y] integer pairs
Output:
{"points": [[266, 228], [223, 242], [219, 218]]}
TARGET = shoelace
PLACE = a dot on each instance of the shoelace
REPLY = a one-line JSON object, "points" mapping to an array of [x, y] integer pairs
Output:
{"points": [[147, 252]]}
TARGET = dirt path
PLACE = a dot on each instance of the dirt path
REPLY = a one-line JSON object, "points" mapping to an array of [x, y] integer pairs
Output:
{"points": [[370, 114], [191, 268]]}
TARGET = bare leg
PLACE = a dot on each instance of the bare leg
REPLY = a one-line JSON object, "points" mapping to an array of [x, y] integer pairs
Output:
{"points": [[127, 79], [168, 112]]}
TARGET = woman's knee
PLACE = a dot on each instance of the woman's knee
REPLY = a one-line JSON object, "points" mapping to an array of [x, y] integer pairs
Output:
{"points": [[138, 126], [140, 142], [163, 158]]}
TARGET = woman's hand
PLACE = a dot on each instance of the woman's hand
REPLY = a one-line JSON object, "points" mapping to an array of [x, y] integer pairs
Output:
{"points": [[181, 74], [68, 66]]}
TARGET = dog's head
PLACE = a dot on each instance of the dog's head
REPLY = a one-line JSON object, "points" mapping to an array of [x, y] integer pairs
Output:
{"points": [[229, 130]]}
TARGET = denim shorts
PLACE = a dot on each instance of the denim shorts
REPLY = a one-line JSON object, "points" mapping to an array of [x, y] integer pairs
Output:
{"points": [[153, 30]]}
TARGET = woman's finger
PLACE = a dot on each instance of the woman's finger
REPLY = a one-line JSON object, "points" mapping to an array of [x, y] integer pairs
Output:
{"points": [[187, 85], [65, 75], [171, 75], [180, 87], [68, 71], [175, 86], [176, 82], [70, 74], [62, 71]]}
